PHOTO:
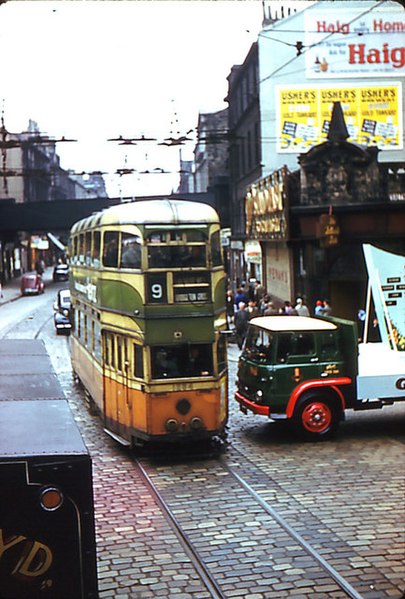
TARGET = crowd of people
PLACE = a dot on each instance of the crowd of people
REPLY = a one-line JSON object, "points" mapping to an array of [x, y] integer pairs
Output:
{"points": [[249, 302]]}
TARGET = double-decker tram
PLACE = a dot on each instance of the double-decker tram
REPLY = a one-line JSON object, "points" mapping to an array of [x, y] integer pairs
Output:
{"points": [[148, 296]]}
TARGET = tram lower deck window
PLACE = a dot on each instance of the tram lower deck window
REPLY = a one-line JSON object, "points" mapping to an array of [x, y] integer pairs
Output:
{"points": [[181, 361]]}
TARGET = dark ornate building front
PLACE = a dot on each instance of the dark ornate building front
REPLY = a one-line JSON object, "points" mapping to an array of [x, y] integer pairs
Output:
{"points": [[342, 197]]}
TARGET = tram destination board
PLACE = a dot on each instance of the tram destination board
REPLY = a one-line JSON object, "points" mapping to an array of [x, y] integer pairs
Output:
{"points": [[47, 532]]}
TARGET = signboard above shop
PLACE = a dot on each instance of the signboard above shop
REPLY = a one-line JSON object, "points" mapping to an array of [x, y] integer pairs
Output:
{"points": [[265, 208]]}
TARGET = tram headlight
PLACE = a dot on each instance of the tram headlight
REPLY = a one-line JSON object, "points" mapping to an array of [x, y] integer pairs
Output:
{"points": [[172, 425], [196, 424]]}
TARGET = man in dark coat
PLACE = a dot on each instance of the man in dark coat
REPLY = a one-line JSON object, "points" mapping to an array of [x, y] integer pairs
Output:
{"points": [[241, 323]]}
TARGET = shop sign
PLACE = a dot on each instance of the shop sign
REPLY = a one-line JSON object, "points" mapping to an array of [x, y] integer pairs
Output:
{"points": [[237, 245], [265, 207], [225, 237], [328, 230], [253, 252], [39, 243]]}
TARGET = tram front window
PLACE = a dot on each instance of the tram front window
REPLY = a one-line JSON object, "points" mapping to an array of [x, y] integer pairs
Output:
{"points": [[181, 361], [176, 256], [130, 251]]}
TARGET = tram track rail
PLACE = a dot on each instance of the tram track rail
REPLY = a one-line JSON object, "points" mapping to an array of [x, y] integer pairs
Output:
{"points": [[341, 582], [32, 331], [208, 578]]}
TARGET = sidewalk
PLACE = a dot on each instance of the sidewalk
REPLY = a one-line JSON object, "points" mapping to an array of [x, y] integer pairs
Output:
{"points": [[11, 290]]}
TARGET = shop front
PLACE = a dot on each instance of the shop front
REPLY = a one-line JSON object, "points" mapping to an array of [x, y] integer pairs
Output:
{"points": [[268, 257]]}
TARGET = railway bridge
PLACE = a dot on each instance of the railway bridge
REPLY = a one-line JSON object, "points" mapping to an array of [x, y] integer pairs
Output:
{"points": [[20, 222]]}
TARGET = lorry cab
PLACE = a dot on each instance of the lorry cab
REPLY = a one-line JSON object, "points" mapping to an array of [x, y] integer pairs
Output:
{"points": [[299, 368]]}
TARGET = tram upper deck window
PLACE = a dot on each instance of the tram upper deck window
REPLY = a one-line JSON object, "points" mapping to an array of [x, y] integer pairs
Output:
{"points": [[130, 251], [177, 256], [96, 249], [216, 253], [176, 249], [87, 253], [74, 249], [81, 249], [110, 249]]}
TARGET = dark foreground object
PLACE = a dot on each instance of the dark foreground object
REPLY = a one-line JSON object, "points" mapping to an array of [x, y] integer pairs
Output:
{"points": [[47, 535]]}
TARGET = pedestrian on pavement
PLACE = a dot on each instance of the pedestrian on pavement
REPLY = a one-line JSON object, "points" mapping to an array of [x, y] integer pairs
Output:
{"points": [[327, 308], [301, 308], [288, 309], [40, 266], [259, 292], [240, 296], [262, 305], [230, 308], [318, 308], [270, 310], [253, 310], [241, 323]]}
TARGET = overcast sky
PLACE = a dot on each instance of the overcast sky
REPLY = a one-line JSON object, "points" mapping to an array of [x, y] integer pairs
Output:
{"points": [[95, 69]]}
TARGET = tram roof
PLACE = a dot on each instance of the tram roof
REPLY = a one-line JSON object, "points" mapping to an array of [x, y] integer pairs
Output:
{"points": [[292, 323], [164, 211]]}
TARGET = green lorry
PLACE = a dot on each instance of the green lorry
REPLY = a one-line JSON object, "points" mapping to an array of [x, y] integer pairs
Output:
{"points": [[309, 370]]}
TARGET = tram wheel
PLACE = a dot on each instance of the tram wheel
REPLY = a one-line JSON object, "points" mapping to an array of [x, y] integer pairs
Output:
{"points": [[316, 417]]}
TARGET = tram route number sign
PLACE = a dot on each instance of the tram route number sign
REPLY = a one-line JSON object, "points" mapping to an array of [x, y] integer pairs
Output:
{"points": [[157, 288]]}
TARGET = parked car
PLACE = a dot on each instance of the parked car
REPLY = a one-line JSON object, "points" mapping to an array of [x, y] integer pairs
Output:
{"points": [[61, 272], [62, 317], [32, 284]]}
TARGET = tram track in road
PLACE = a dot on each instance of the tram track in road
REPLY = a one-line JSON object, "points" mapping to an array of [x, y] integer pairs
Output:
{"points": [[307, 569], [203, 571], [14, 331], [30, 325]]}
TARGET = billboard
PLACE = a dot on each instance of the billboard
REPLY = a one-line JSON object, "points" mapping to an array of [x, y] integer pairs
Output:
{"points": [[373, 115], [354, 44]]}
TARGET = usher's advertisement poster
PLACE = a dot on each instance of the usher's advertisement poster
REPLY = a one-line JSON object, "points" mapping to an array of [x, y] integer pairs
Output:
{"points": [[373, 115]]}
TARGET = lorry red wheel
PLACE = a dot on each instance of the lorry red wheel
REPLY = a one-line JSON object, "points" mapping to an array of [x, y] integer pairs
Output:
{"points": [[316, 417]]}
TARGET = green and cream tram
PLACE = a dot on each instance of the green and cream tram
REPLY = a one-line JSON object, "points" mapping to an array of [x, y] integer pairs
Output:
{"points": [[148, 295]]}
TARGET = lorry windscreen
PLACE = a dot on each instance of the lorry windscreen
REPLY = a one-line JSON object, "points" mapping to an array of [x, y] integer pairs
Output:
{"points": [[258, 344]]}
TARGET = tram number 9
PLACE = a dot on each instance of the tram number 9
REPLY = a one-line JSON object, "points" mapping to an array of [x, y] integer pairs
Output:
{"points": [[157, 289]]}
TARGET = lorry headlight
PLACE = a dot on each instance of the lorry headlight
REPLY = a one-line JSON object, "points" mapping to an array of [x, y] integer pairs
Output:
{"points": [[259, 396]]}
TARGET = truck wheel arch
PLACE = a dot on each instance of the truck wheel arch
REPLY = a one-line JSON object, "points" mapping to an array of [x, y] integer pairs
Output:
{"points": [[330, 387]]}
